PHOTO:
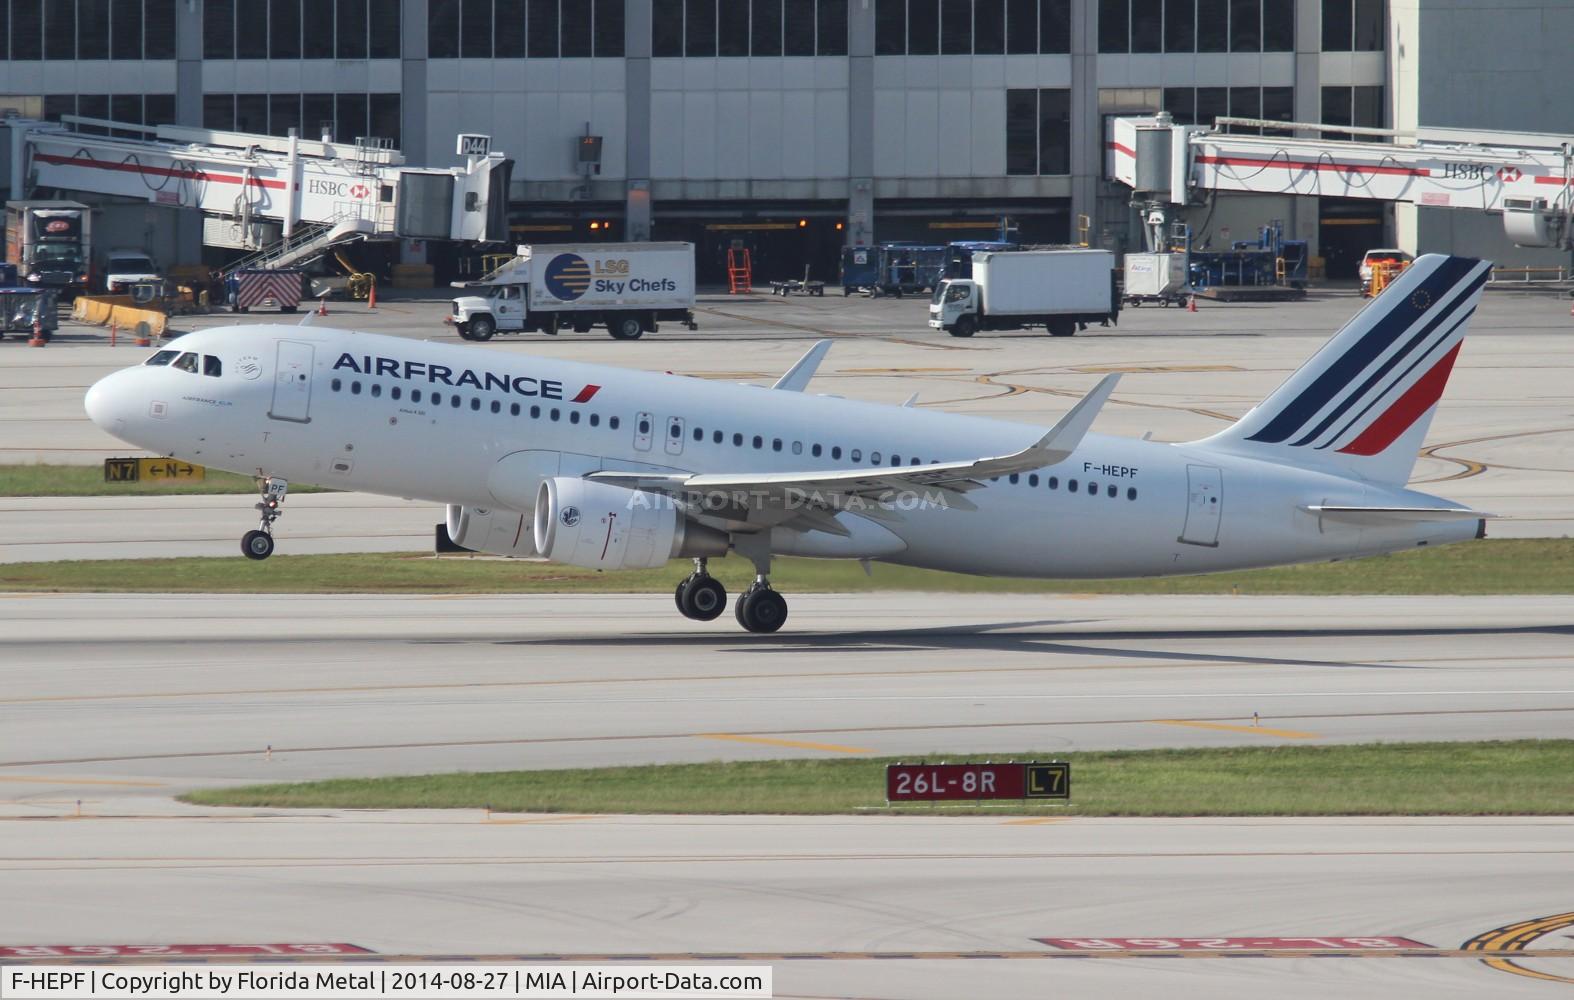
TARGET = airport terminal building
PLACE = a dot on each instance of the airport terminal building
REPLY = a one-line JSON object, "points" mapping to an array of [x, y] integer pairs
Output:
{"points": [[798, 126]]}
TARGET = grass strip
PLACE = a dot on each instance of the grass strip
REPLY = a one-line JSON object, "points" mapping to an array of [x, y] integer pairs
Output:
{"points": [[1499, 566], [1521, 778]]}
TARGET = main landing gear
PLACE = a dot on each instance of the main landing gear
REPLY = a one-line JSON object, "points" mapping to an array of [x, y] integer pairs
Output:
{"points": [[258, 544], [761, 609], [701, 597]]}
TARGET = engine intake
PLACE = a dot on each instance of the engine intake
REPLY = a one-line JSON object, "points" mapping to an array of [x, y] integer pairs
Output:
{"points": [[599, 526], [495, 532]]}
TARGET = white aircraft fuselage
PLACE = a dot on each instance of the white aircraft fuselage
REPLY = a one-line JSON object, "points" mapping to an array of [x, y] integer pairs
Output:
{"points": [[313, 405]]}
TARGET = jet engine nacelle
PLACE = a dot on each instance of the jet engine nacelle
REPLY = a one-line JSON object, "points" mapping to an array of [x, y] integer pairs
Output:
{"points": [[600, 526], [496, 532]]}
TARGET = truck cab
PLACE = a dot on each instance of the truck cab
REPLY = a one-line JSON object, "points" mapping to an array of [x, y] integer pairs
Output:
{"points": [[501, 308], [954, 307]]}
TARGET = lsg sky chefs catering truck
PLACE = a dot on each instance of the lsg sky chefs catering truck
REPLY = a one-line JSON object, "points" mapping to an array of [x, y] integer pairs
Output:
{"points": [[626, 287], [1060, 290]]}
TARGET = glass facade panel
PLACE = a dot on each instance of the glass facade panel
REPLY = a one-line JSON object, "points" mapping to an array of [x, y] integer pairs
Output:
{"points": [[442, 29], [732, 29], [251, 30], [989, 26], [1021, 26], [27, 29], [1213, 25], [317, 115], [1278, 104], [284, 29], [923, 27], [1336, 106], [1338, 26], [1181, 103], [350, 33], [1054, 131], [93, 30], [1021, 131], [317, 29], [218, 111], [1212, 102], [1054, 26], [385, 118], [475, 29], [125, 29], [765, 27], [831, 27], [609, 28], [1114, 25], [666, 36], [60, 30], [798, 28], [284, 113], [1147, 25], [575, 30], [1368, 25], [890, 27], [956, 27], [1245, 25], [1278, 25], [350, 116], [508, 29], [699, 27], [251, 112], [384, 17], [1180, 26]]}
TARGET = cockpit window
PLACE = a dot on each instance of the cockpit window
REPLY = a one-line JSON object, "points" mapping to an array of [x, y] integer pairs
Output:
{"points": [[212, 366], [161, 358], [187, 362]]}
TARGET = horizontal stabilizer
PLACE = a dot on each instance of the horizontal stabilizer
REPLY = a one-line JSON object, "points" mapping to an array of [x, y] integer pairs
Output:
{"points": [[1377, 516]]}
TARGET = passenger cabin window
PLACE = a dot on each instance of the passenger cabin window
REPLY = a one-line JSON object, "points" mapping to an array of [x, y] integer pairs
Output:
{"points": [[161, 359], [187, 362], [212, 366]]}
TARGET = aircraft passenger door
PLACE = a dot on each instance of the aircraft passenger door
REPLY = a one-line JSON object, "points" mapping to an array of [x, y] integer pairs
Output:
{"points": [[1204, 505], [674, 435], [643, 425], [292, 382]]}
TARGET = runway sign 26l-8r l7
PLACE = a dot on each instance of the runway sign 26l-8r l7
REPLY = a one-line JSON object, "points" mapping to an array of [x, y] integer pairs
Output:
{"points": [[975, 782]]}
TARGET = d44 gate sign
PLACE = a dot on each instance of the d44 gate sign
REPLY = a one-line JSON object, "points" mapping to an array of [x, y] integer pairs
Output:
{"points": [[977, 782]]}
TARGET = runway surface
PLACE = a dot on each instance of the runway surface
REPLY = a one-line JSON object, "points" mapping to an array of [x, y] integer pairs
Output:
{"points": [[117, 702]]}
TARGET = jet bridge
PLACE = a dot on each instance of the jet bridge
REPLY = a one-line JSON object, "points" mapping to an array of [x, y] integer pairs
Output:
{"points": [[315, 194], [1528, 177]]}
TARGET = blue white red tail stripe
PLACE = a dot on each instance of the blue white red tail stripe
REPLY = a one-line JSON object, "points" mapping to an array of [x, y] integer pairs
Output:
{"points": [[1363, 403]]}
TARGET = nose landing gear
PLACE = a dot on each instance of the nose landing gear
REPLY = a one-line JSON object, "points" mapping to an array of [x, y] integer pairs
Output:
{"points": [[258, 544]]}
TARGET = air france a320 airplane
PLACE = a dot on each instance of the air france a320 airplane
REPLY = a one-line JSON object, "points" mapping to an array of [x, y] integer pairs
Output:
{"points": [[612, 469]]}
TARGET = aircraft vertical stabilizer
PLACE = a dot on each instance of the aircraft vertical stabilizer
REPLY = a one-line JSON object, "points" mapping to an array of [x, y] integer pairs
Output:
{"points": [[1362, 405]]}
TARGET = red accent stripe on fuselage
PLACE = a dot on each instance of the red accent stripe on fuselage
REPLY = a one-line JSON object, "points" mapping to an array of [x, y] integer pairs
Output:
{"points": [[585, 394]]}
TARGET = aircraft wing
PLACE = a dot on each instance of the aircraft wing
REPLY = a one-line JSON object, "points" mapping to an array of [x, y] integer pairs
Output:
{"points": [[779, 497]]}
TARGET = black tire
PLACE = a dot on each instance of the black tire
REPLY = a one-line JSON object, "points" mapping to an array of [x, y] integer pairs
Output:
{"points": [[482, 327], [704, 599], [626, 327], [677, 597], [763, 611], [965, 326], [256, 544], [289, 309], [1062, 328]]}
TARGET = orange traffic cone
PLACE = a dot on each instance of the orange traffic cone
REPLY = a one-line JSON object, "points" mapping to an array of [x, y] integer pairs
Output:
{"points": [[1191, 304], [322, 306], [38, 335], [371, 296]]}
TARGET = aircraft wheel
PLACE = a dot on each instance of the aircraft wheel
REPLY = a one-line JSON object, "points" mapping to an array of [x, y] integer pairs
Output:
{"points": [[762, 610], [256, 544], [704, 599]]}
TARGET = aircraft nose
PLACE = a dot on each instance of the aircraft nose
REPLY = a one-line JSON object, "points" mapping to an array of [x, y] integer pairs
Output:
{"points": [[105, 402]]}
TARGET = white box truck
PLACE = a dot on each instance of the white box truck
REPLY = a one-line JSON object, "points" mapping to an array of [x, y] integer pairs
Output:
{"points": [[626, 287], [1061, 290]]}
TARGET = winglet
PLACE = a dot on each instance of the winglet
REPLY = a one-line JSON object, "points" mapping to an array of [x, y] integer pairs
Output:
{"points": [[798, 376], [1063, 438]]}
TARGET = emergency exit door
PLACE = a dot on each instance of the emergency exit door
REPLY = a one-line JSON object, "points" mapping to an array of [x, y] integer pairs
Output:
{"points": [[292, 382], [1204, 505]]}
